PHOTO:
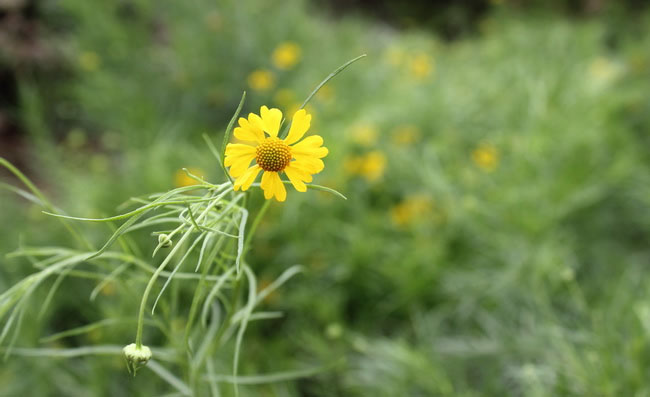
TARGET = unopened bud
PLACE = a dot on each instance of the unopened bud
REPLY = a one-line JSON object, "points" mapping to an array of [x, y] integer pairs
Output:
{"points": [[164, 241], [136, 357]]}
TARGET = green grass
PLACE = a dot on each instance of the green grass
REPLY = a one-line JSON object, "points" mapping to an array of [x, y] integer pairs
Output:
{"points": [[437, 276]]}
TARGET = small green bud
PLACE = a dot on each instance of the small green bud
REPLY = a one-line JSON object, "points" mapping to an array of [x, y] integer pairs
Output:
{"points": [[164, 240], [136, 357]]}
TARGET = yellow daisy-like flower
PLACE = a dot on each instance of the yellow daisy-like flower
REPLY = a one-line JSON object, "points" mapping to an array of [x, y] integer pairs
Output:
{"points": [[298, 160], [286, 55], [261, 80], [486, 157]]}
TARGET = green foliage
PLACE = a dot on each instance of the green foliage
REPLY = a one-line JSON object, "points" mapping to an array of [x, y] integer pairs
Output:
{"points": [[494, 240]]}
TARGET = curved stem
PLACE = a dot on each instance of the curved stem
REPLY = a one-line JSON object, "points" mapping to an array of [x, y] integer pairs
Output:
{"points": [[154, 277], [255, 224], [152, 280]]}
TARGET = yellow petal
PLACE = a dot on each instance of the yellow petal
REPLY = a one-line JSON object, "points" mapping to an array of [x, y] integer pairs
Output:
{"points": [[248, 132], [278, 187], [299, 125], [295, 178], [240, 165], [267, 184], [271, 119], [309, 163], [246, 180], [303, 172], [235, 148], [310, 141], [318, 152], [256, 121], [310, 146]]}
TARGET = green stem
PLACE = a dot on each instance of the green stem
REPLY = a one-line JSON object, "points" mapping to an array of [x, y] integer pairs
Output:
{"points": [[154, 277], [255, 224], [145, 296], [319, 86]]}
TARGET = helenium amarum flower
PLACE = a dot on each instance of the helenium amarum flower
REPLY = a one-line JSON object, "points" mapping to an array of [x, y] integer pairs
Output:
{"points": [[298, 160]]}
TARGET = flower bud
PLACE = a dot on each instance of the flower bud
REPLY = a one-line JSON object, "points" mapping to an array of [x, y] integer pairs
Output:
{"points": [[164, 241], [136, 357]]}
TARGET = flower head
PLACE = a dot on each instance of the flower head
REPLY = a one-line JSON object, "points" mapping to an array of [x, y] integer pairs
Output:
{"points": [[273, 155], [421, 66], [89, 61], [370, 166], [486, 157], [136, 357], [286, 55], [261, 80]]}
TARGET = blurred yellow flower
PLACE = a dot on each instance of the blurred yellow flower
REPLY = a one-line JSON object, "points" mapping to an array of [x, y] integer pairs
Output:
{"points": [[286, 55], [603, 70], [406, 135], [370, 166], [365, 134], [374, 166], [181, 179], [298, 160], [421, 66], [261, 80], [108, 289], [486, 157], [89, 61], [412, 209]]}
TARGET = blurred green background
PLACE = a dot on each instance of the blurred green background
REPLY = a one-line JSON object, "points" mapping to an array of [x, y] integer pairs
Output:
{"points": [[496, 157]]}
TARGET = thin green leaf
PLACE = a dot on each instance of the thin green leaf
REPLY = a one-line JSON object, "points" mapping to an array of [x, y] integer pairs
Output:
{"points": [[322, 83], [226, 135], [315, 187]]}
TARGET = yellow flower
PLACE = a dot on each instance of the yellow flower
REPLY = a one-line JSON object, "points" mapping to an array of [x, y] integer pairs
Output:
{"points": [[286, 55], [370, 166], [298, 160], [261, 80], [421, 66], [412, 209], [406, 135], [486, 157], [181, 178], [603, 70], [365, 134], [374, 165], [89, 61]]}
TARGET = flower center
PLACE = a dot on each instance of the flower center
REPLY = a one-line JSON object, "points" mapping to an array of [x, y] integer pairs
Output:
{"points": [[273, 155]]}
